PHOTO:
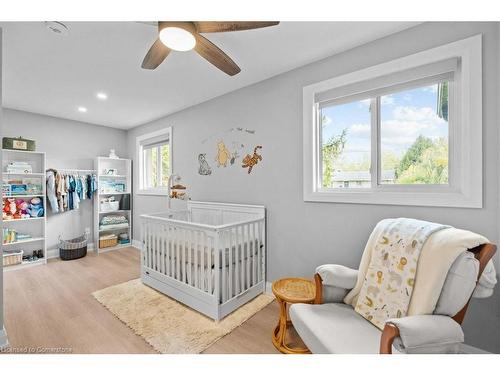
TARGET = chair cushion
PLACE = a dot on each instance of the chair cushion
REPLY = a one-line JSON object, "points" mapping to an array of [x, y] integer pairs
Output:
{"points": [[334, 328], [459, 285]]}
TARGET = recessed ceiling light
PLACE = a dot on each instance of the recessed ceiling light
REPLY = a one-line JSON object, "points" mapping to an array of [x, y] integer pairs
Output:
{"points": [[102, 95], [177, 38], [82, 109]]}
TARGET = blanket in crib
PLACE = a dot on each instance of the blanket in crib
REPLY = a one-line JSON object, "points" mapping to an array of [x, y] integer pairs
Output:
{"points": [[390, 277]]}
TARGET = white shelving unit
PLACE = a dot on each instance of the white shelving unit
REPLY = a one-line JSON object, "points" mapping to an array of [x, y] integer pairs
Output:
{"points": [[36, 227], [110, 172]]}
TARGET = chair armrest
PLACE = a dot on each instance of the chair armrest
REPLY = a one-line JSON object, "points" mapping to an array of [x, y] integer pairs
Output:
{"points": [[422, 334], [337, 275], [333, 282]]}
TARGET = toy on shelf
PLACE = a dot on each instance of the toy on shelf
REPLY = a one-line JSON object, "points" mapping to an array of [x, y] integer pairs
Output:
{"points": [[36, 207], [15, 209]]}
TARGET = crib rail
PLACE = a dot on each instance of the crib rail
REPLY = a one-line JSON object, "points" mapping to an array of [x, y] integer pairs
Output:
{"points": [[222, 262]]}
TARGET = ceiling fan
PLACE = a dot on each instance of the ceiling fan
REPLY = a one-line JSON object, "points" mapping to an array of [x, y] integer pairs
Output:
{"points": [[185, 36]]}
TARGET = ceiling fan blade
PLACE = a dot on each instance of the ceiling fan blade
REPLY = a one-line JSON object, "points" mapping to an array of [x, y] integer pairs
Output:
{"points": [[155, 55], [219, 27], [215, 56]]}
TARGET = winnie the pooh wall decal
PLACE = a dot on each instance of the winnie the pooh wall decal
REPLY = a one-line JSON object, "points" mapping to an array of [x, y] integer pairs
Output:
{"points": [[250, 161], [204, 169], [223, 154]]}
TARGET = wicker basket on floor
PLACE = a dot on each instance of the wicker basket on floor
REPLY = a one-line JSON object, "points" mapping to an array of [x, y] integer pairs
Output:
{"points": [[73, 249]]}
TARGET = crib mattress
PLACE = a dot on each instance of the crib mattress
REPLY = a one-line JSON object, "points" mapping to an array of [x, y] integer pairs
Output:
{"points": [[245, 251]]}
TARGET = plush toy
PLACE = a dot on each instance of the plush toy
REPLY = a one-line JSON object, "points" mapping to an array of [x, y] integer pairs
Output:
{"points": [[6, 214], [10, 209], [22, 208], [35, 208]]}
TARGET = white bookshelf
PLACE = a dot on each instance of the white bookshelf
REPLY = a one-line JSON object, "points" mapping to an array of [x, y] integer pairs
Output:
{"points": [[36, 227], [121, 174]]}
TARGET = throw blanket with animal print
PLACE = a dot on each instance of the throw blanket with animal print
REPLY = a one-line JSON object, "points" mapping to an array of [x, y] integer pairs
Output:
{"points": [[390, 277]]}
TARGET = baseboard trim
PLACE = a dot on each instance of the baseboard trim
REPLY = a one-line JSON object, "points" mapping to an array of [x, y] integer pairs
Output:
{"points": [[269, 288], [4, 342], [137, 244]]}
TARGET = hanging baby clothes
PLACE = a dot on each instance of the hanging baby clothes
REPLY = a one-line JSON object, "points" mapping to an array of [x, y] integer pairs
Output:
{"points": [[60, 191], [92, 185], [76, 199], [66, 191], [51, 191], [83, 180]]}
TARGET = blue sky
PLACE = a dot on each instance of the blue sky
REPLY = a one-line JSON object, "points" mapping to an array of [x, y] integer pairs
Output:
{"points": [[404, 116]]}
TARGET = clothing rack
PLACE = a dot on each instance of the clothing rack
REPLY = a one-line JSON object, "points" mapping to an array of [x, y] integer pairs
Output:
{"points": [[73, 170]]}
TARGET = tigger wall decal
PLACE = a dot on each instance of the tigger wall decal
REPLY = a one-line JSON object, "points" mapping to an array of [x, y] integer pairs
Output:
{"points": [[250, 161]]}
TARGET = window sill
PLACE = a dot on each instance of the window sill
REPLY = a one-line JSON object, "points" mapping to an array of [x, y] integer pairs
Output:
{"points": [[152, 192], [398, 198]]}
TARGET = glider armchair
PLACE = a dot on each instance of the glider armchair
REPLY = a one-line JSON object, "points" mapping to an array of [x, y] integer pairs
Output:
{"points": [[331, 326]]}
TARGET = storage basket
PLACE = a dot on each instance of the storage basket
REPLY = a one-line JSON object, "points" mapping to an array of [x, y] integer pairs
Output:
{"points": [[108, 243], [73, 249], [109, 206], [11, 258]]}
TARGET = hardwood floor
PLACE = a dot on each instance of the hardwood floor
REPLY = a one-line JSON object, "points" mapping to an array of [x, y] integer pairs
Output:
{"points": [[51, 306]]}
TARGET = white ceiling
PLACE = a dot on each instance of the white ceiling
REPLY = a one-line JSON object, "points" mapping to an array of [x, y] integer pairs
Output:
{"points": [[51, 74]]}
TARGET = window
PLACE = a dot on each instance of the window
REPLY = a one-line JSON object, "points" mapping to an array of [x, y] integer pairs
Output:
{"points": [[404, 132], [155, 161], [413, 133]]}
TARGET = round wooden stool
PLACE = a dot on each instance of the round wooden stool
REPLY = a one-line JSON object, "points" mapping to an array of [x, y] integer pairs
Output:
{"points": [[288, 291]]}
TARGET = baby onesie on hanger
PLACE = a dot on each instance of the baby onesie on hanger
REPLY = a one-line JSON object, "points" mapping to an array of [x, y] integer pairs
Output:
{"points": [[83, 181], [51, 191], [60, 191], [76, 192], [71, 192]]}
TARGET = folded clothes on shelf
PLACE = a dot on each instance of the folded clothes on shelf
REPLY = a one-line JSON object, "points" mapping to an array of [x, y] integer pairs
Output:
{"points": [[113, 219]]}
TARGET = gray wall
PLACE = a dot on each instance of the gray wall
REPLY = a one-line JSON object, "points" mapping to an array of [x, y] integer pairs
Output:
{"points": [[68, 144], [302, 235]]}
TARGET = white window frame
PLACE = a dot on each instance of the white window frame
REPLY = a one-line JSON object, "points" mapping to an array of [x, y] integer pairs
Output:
{"points": [[140, 140], [465, 187]]}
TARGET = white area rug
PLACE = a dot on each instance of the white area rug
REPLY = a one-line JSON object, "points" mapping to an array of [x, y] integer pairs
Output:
{"points": [[167, 325]]}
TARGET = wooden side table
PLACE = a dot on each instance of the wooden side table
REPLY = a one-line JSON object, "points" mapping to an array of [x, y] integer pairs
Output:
{"points": [[288, 291]]}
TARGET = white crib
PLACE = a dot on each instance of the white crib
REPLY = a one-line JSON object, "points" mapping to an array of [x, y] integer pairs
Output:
{"points": [[211, 257]]}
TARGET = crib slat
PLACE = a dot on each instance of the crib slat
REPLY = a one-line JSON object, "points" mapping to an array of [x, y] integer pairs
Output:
{"points": [[178, 252], [196, 265], [190, 264], [257, 253], [262, 246], [172, 251], [183, 255], [222, 248], [230, 268], [167, 250], [237, 262], [160, 247], [253, 252], [202, 261], [165, 259], [210, 260], [145, 236], [242, 259], [149, 245], [248, 254]]}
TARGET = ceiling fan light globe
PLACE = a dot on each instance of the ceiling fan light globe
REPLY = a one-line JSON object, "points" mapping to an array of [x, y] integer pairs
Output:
{"points": [[177, 39]]}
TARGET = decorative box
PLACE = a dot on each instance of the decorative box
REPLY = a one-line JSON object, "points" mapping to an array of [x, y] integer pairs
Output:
{"points": [[18, 144]]}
